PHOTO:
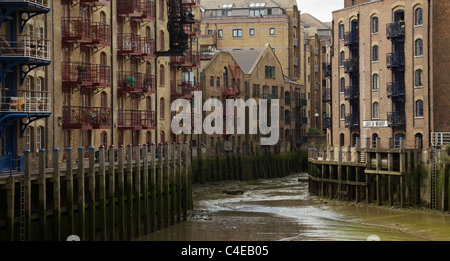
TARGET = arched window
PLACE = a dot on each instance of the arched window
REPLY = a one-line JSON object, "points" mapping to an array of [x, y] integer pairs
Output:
{"points": [[341, 31], [376, 110], [161, 108], [220, 33], [40, 138], [161, 40], [419, 47], [163, 137], [375, 82], [375, 53], [342, 85], [419, 108], [225, 77], [148, 137], [374, 140], [374, 25], [162, 73], [104, 100], [418, 81], [418, 16], [148, 103], [342, 111], [161, 9], [419, 139], [104, 139], [342, 58], [102, 17], [341, 139]]}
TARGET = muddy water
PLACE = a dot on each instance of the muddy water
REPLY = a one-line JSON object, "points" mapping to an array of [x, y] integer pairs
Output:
{"points": [[281, 210]]}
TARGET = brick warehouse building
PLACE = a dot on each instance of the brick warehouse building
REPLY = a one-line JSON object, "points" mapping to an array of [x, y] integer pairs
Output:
{"points": [[90, 73], [389, 73]]}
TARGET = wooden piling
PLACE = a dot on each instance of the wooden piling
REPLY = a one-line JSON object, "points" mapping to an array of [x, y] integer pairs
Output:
{"points": [[69, 189], [10, 192], [145, 189], [91, 195], [111, 196], [172, 178], [121, 193], [178, 181], [166, 192], [102, 192], [137, 191], [42, 200], [159, 187], [129, 190], [56, 196], [81, 197], [153, 188]]}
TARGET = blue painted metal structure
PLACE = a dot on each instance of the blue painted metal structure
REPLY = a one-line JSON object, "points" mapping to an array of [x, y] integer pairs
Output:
{"points": [[18, 57]]}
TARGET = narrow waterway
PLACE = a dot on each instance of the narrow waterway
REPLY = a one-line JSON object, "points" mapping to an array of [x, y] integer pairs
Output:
{"points": [[282, 210]]}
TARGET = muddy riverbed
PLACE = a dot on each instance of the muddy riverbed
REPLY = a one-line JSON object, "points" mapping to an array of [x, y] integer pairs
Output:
{"points": [[282, 210]]}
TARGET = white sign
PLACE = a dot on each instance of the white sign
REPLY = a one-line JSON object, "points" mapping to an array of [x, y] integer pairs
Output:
{"points": [[375, 124]]}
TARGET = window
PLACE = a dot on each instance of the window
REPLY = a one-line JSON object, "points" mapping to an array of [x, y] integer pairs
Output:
{"points": [[375, 53], [161, 9], [419, 108], [342, 85], [237, 33], [161, 108], [343, 112], [342, 58], [272, 31], [210, 32], [161, 40], [251, 32], [374, 25], [418, 81], [418, 16], [220, 33], [104, 139], [375, 82], [376, 110], [211, 81], [419, 47], [218, 81], [270, 72], [162, 73], [341, 31], [40, 138]]}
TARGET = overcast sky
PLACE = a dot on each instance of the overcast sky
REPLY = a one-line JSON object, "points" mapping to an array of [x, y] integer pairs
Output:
{"points": [[321, 9]]}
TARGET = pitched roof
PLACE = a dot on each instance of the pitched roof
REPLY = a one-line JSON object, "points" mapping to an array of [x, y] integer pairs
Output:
{"points": [[247, 58], [311, 21]]}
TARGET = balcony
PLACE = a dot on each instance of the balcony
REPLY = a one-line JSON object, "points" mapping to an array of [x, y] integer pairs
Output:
{"points": [[184, 61], [327, 121], [395, 60], [351, 66], [395, 90], [351, 120], [295, 41], [192, 30], [191, 2], [351, 93], [183, 89], [301, 121], [327, 96], [86, 117], [32, 102], [287, 120], [130, 8], [230, 91], [96, 2], [76, 29], [351, 39], [148, 9], [396, 119], [299, 103], [25, 47], [395, 31], [85, 74], [287, 101], [130, 82], [129, 44], [149, 84], [148, 47], [327, 71], [136, 120], [101, 34]]}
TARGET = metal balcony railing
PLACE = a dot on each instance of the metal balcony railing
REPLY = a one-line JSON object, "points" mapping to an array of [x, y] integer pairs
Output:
{"points": [[101, 34], [130, 8], [327, 121], [136, 120], [149, 83], [76, 29], [395, 90], [191, 2], [396, 119], [130, 81], [351, 39], [327, 96], [351, 65], [395, 60], [395, 30], [327, 72], [183, 89], [148, 8], [229, 91], [351, 120], [129, 44], [26, 102], [148, 47], [86, 117], [25, 46], [81, 73], [96, 2], [44, 3], [299, 103], [351, 93]]}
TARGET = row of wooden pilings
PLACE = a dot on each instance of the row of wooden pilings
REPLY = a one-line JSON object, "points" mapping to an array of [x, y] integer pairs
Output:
{"points": [[377, 175], [122, 194]]}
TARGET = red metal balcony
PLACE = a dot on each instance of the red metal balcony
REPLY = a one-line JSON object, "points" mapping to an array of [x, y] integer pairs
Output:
{"points": [[86, 118], [129, 44], [129, 81], [183, 89], [230, 91], [191, 2], [148, 47], [76, 29], [136, 120], [149, 84], [129, 8], [101, 34], [85, 74], [192, 30], [185, 61], [148, 10], [96, 2]]}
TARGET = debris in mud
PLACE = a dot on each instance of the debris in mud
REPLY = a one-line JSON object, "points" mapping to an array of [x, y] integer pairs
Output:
{"points": [[233, 192], [199, 215], [303, 179]]}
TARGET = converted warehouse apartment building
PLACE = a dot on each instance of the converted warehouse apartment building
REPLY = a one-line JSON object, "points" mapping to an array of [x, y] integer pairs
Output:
{"points": [[389, 71]]}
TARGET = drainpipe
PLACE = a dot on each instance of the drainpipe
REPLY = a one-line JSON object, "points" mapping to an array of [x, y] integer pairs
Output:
{"points": [[112, 71], [429, 70]]}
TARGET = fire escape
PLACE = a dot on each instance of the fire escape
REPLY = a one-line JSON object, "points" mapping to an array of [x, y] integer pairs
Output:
{"points": [[20, 53]]}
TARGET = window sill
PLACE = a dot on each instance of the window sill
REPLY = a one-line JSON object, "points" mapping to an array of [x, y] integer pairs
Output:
{"points": [[418, 117], [376, 90], [418, 87], [418, 56]]}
